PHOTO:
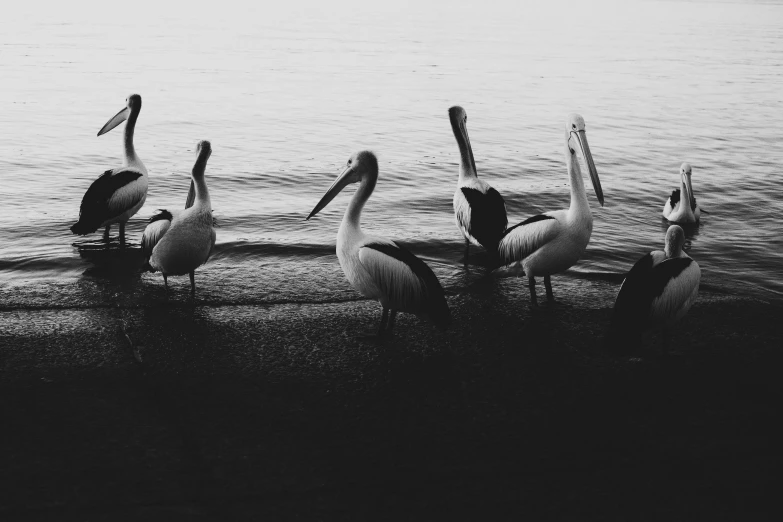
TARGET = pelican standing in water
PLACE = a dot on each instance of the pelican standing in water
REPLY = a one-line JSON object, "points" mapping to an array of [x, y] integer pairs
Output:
{"points": [[119, 193], [554, 241], [377, 267], [657, 292], [674, 210], [479, 209], [177, 242]]}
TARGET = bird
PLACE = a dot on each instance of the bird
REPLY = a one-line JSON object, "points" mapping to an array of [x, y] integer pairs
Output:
{"points": [[179, 241], [657, 292], [673, 210], [120, 192], [380, 268], [554, 241], [479, 209]]}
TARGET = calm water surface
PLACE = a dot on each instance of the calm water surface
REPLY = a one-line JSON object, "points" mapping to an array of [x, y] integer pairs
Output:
{"points": [[286, 95]]}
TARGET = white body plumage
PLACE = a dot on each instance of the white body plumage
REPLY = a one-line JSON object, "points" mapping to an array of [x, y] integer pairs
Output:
{"points": [[554, 241], [377, 267], [680, 206], [177, 242]]}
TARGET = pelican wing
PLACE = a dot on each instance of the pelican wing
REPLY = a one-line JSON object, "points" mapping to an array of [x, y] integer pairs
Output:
{"points": [[158, 226], [406, 282], [674, 286], [106, 198], [633, 300], [654, 290], [485, 216], [523, 239]]}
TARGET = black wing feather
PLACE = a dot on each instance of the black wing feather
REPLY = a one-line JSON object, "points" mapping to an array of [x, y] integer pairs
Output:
{"points": [[674, 198], [94, 209], [641, 286], [437, 308], [488, 220], [539, 217]]}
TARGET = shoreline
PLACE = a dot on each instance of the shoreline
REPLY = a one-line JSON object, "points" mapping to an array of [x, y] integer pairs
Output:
{"points": [[281, 411]]}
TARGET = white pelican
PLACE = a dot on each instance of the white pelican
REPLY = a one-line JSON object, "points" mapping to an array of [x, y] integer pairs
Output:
{"points": [[119, 193], [674, 210], [657, 292], [554, 241], [177, 242], [478, 208], [375, 266]]}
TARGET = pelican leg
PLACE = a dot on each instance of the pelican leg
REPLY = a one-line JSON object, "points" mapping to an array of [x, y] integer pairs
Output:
{"points": [[548, 285], [192, 283], [165, 282], [467, 250], [532, 284], [122, 234], [392, 317], [384, 318], [106, 233]]}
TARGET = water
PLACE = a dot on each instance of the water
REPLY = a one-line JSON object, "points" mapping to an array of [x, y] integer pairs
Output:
{"points": [[287, 94]]}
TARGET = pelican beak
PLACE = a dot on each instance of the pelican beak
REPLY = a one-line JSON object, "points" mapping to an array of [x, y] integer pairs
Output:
{"points": [[116, 120], [599, 192], [463, 127], [342, 181], [690, 188]]}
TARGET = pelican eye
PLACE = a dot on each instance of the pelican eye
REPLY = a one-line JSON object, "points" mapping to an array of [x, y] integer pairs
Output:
{"points": [[573, 125]]}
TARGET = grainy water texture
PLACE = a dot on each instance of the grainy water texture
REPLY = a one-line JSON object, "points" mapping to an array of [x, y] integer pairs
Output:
{"points": [[286, 92]]}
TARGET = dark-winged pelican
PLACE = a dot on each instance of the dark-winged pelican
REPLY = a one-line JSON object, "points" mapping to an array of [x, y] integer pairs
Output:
{"points": [[657, 292], [674, 210], [479, 209], [179, 241], [119, 193], [554, 241], [377, 267]]}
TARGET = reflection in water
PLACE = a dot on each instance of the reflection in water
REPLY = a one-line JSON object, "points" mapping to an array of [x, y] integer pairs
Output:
{"points": [[110, 261]]}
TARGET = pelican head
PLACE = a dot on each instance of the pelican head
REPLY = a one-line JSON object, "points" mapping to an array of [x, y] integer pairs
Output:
{"points": [[685, 174], [203, 151], [459, 125], [132, 106], [675, 240], [575, 135], [204, 148], [360, 166]]}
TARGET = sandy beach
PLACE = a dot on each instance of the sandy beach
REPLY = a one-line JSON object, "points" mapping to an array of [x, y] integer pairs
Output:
{"points": [[206, 411]]}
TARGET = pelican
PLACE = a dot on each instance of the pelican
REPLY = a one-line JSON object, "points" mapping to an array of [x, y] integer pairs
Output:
{"points": [[377, 267], [119, 193], [554, 241], [177, 242], [479, 209], [673, 210], [657, 292]]}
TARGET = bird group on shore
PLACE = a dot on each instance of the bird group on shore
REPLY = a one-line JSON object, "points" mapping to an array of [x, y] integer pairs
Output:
{"points": [[657, 292]]}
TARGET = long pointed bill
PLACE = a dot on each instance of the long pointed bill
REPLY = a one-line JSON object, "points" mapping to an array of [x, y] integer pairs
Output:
{"points": [[470, 158], [191, 194], [599, 192], [116, 120], [463, 141], [690, 192], [340, 183]]}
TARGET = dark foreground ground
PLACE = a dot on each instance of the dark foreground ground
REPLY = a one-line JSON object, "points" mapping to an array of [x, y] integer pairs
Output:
{"points": [[279, 412]]}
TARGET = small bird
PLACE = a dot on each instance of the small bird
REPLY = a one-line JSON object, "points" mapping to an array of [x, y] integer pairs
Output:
{"points": [[119, 193], [554, 241], [479, 209], [673, 209], [377, 267], [657, 292], [179, 241]]}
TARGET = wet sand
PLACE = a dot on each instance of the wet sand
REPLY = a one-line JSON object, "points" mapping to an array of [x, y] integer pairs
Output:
{"points": [[207, 411]]}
